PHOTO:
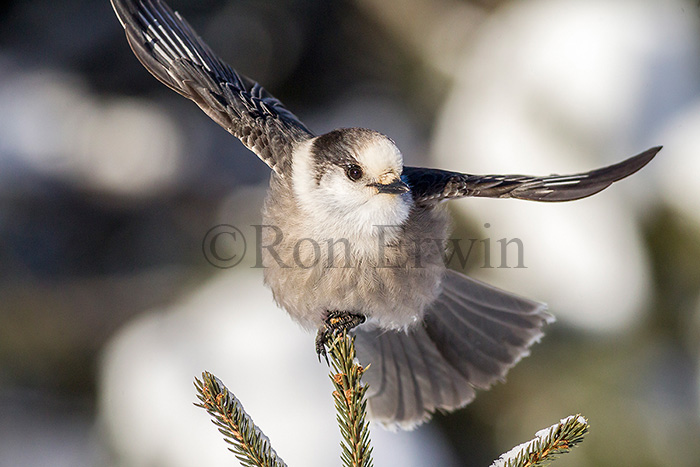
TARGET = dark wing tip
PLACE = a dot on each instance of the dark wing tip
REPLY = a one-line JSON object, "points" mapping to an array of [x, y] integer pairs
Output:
{"points": [[120, 9], [635, 163], [572, 187]]}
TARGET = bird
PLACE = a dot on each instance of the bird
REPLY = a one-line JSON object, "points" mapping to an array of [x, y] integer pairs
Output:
{"points": [[353, 240]]}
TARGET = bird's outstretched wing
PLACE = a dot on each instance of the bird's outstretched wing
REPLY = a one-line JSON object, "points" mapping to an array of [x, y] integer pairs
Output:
{"points": [[168, 47], [432, 185]]}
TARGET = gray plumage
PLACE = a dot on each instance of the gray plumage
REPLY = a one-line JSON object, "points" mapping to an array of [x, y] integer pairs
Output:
{"points": [[349, 229], [470, 337]]}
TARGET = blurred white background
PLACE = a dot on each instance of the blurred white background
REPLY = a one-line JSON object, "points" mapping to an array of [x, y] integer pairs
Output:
{"points": [[109, 183]]}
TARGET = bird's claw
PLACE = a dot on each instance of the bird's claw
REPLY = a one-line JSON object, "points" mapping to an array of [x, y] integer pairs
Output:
{"points": [[322, 337], [336, 322]]}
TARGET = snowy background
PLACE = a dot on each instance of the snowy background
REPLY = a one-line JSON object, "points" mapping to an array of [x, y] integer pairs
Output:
{"points": [[109, 183]]}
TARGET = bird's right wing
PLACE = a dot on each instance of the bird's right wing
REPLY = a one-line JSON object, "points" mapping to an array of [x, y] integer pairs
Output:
{"points": [[433, 185], [168, 47]]}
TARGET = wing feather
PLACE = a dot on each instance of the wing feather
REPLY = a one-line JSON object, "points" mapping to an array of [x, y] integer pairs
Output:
{"points": [[433, 185], [171, 50]]}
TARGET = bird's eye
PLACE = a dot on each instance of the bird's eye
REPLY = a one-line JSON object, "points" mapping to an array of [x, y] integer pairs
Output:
{"points": [[354, 172]]}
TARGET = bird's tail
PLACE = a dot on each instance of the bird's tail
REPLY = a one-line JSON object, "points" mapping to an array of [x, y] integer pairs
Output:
{"points": [[470, 337]]}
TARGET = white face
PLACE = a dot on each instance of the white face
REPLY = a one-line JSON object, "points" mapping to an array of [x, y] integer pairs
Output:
{"points": [[347, 200]]}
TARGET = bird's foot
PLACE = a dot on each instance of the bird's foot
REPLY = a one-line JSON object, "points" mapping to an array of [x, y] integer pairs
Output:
{"points": [[335, 322]]}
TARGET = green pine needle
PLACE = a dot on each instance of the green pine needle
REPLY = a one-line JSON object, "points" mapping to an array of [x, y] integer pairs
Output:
{"points": [[350, 402], [248, 442], [547, 444]]}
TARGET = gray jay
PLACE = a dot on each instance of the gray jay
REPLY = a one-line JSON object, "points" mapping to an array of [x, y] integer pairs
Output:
{"points": [[432, 335]]}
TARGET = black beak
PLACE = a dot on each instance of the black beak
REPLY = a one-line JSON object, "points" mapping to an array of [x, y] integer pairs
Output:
{"points": [[397, 187]]}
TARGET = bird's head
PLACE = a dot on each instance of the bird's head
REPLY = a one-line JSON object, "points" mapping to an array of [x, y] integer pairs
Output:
{"points": [[349, 181]]}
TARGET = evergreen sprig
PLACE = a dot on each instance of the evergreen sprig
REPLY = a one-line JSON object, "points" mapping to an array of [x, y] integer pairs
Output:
{"points": [[252, 447], [249, 443], [547, 444], [350, 402]]}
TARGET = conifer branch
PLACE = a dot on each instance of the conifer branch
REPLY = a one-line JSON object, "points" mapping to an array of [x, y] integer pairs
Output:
{"points": [[252, 447], [249, 443], [350, 402], [547, 444]]}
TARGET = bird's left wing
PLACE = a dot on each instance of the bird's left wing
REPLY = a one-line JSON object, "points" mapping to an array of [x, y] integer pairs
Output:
{"points": [[170, 49], [432, 185]]}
